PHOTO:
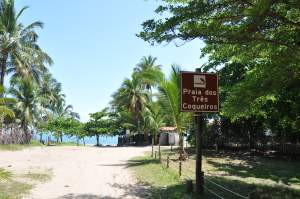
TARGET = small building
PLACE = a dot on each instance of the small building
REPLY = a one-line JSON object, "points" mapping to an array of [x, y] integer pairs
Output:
{"points": [[168, 136]]}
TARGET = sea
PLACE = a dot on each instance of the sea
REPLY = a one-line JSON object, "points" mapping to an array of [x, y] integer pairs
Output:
{"points": [[105, 140]]}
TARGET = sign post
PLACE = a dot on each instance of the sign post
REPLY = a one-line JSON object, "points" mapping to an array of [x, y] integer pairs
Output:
{"points": [[199, 94]]}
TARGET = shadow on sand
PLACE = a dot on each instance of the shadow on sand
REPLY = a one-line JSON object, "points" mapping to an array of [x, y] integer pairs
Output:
{"points": [[129, 191]]}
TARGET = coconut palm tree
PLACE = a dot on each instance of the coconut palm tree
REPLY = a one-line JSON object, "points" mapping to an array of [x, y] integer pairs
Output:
{"points": [[155, 120], [26, 104], [133, 97], [50, 91], [149, 72], [169, 98], [19, 51]]}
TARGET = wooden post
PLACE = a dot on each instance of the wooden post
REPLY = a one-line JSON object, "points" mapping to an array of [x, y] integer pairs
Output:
{"points": [[168, 159], [180, 167], [199, 120]]}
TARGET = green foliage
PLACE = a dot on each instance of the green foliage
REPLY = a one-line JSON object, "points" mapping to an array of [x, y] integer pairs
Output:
{"points": [[99, 124], [131, 97], [254, 45], [19, 45], [38, 95], [169, 101], [25, 94], [10, 188], [4, 102], [149, 73], [154, 118], [69, 126]]}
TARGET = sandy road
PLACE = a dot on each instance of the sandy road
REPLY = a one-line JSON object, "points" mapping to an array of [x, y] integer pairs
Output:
{"points": [[78, 172]]}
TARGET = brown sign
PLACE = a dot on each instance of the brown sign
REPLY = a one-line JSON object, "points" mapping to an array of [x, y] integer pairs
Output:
{"points": [[199, 92]]}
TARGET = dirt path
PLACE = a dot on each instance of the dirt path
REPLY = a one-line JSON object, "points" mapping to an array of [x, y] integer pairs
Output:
{"points": [[78, 172]]}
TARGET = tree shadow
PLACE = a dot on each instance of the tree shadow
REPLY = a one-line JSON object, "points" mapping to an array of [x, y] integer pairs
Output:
{"points": [[130, 191], [131, 163], [82, 196], [253, 191], [140, 162], [287, 174]]}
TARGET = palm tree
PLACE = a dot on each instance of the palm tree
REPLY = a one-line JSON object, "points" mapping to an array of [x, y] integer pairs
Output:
{"points": [[19, 51], [133, 97], [155, 119], [24, 93], [149, 72], [169, 99], [49, 93]]}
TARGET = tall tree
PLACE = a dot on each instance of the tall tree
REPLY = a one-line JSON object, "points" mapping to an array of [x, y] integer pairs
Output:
{"points": [[133, 97], [260, 39], [63, 111], [170, 101], [155, 120], [99, 124], [24, 93], [19, 51], [149, 72]]}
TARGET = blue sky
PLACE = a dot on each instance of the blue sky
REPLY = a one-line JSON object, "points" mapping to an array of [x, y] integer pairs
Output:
{"points": [[94, 47]]}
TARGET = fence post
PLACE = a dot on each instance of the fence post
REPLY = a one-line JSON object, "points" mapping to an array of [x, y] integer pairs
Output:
{"points": [[168, 159], [180, 167], [155, 154]]}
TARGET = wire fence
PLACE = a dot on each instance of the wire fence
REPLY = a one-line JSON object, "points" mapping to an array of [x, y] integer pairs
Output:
{"points": [[186, 172]]}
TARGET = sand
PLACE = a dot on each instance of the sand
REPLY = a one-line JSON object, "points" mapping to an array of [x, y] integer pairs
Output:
{"points": [[78, 172]]}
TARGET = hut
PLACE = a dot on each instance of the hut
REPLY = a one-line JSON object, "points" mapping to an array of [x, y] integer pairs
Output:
{"points": [[168, 136]]}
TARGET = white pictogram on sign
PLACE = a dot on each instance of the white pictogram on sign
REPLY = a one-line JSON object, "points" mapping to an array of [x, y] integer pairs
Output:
{"points": [[199, 81]]}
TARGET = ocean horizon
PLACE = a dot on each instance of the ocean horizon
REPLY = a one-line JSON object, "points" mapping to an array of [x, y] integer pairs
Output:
{"points": [[104, 140]]}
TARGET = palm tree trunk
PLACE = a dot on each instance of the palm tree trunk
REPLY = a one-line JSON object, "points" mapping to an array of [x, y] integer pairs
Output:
{"points": [[146, 137], [83, 141], [26, 138], [3, 65], [152, 145], [181, 145]]}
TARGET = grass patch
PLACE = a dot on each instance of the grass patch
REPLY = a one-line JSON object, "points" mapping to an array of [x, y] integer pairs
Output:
{"points": [[166, 176], [258, 177], [165, 183], [11, 189], [4, 175], [19, 147], [40, 177]]}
